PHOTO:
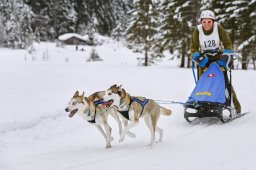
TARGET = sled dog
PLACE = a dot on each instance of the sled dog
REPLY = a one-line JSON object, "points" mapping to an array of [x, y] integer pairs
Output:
{"points": [[94, 110], [132, 108], [87, 108]]}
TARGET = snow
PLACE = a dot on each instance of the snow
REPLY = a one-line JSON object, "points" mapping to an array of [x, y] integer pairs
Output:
{"points": [[186, 4], [238, 2], [253, 14], [36, 132], [246, 43], [230, 9], [70, 35], [253, 1]]}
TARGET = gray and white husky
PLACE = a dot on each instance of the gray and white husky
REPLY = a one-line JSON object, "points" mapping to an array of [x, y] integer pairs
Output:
{"points": [[93, 110]]}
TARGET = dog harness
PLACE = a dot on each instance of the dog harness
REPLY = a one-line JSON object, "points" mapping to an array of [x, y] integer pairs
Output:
{"points": [[142, 103], [96, 103]]}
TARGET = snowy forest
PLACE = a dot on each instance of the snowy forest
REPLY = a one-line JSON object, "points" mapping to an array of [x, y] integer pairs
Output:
{"points": [[150, 26]]}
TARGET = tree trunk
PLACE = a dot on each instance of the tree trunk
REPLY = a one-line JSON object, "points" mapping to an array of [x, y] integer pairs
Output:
{"points": [[189, 55], [254, 59], [188, 61], [146, 57], [183, 53], [244, 60]]}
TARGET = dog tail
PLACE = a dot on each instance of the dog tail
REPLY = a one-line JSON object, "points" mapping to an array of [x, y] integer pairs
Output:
{"points": [[165, 111]]}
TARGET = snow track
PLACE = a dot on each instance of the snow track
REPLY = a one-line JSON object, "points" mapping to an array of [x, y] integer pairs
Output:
{"points": [[64, 143], [37, 134]]}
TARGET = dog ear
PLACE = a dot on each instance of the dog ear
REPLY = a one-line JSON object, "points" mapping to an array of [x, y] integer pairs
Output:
{"points": [[76, 94], [123, 93], [120, 88], [83, 94], [113, 86], [86, 99]]}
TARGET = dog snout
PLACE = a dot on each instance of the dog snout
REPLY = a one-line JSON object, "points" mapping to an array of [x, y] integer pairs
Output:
{"points": [[66, 110]]}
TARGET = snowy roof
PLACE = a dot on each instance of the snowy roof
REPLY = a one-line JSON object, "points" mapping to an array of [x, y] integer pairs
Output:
{"points": [[70, 35]]}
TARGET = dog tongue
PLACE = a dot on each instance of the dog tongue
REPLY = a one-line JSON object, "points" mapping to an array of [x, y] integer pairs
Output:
{"points": [[72, 113], [108, 103]]}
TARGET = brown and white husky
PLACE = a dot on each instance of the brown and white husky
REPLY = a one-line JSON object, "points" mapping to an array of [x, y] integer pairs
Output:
{"points": [[132, 108]]}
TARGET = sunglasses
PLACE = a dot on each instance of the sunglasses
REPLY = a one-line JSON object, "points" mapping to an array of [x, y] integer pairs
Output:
{"points": [[207, 21]]}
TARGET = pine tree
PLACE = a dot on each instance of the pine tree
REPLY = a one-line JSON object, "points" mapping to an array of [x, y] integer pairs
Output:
{"points": [[246, 17], [142, 26], [120, 9], [2, 31], [101, 10], [16, 18], [236, 17], [205, 4], [168, 25], [186, 13], [41, 25], [83, 16], [9, 23], [4, 10], [25, 17], [225, 15], [63, 17]]}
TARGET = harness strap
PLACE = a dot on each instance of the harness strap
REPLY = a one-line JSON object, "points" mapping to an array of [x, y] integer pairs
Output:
{"points": [[92, 121], [142, 103], [125, 114], [97, 102]]}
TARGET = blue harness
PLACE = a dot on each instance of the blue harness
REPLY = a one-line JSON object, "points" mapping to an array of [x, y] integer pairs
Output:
{"points": [[96, 103], [142, 103]]}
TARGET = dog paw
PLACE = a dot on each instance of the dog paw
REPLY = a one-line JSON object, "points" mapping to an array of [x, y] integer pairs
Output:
{"points": [[132, 135], [159, 141], [121, 139], [150, 144], [108, 146]]}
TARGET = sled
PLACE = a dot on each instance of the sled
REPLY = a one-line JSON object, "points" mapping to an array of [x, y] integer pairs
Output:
{"points": [[211, 96]]}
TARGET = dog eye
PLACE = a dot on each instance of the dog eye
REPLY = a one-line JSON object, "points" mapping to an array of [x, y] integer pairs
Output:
{"points": [[109, 93], [74, 103]]}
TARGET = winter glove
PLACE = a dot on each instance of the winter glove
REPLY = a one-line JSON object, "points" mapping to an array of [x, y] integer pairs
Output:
{"points": [[225, 59], [200, 60], [195, 55]]}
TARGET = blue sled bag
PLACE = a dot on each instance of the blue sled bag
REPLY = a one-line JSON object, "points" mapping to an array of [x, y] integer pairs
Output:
{"points": [[210, 87]]}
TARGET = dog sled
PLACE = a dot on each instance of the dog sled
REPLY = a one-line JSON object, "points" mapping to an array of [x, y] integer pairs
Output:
{"points": [[212, 94]]}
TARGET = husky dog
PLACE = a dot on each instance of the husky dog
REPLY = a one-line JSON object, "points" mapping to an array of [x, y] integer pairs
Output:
{"points": [[87, 107], [133, 108], [94, 110]]}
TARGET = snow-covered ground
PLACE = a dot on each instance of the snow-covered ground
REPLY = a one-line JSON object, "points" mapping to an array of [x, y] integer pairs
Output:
{"points": [[37, 134]]}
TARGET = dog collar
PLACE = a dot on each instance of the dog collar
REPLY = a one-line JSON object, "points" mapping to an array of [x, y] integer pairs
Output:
{"points": [[97, 102], [93, 118], [88, 113], [122, 104], [91, 121]]}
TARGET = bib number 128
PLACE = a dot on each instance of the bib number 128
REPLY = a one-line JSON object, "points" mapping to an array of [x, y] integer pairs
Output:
{"points": [[209, 43]]}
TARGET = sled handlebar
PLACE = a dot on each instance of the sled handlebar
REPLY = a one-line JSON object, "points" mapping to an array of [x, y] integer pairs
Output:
{"points": [[213, 54]]}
